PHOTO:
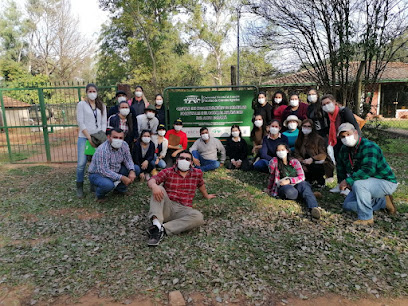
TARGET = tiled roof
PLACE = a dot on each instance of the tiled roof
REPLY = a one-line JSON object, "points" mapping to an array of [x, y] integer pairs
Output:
{"points": [[12, 103], [392, 72]]}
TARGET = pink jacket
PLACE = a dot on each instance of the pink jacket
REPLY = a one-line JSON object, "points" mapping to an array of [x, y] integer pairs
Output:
{"points": [[275, 175]]}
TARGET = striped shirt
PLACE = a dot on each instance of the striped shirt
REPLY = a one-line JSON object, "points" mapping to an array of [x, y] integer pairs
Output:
{"points": [[275, 175], [107, 161], [363, 161], [180, 189]]}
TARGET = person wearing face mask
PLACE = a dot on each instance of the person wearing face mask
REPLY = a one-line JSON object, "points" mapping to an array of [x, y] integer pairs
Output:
{"points": [[177, 142], [292, 132], [139, 102], [316, 113], [337, 116], [237, 150], [148, 120], [161, 149], [280, 103], [143, 155], [269, 144], [295, 107], [263, 108], [160, 109], [310, 150], [120, 97], [287, 180], [112, 167], [205, 150], [91, 119], [126, 122], [362, 168], [257, 134], [173, 190]]}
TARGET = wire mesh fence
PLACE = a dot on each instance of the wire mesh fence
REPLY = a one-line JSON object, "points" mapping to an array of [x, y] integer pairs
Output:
{"points": [[38, 124]]}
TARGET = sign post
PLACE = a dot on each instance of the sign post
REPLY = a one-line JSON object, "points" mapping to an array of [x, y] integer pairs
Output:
{"points": [[218, 110]]}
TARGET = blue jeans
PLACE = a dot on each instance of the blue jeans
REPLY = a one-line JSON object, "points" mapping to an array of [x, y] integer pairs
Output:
{"points": [[367, 196], [104, 185], [161, 164], [303, 189], [262, 165], [81, 164], [205, 164]]}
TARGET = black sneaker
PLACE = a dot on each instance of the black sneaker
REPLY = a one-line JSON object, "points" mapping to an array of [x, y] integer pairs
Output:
{"points": [[150, 230], [156, 236]]}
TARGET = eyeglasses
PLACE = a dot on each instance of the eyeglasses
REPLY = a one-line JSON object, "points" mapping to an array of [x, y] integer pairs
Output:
{"points": [[184, 158]]}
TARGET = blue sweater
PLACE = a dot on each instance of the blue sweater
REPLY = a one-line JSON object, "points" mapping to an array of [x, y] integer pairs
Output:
{"points": [[268, 150], [292, 136]]}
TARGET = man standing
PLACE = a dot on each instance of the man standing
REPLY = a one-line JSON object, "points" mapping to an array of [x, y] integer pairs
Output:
{"points": [[205, 151], [171, 209], [362, 168], [112, 166], [148, 120]]}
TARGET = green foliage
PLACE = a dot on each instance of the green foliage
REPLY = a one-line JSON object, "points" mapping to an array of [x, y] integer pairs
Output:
{"points": [[375, 131]]}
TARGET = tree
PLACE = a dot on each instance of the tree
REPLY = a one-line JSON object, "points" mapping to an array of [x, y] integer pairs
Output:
{"points": [[13, 30], [339, 42], [210, 26], [57, 48]]}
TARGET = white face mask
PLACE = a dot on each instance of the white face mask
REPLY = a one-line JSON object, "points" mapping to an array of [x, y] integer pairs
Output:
{"points": [[349, 141], [294, 103], [116, 143], [150, 115], [161, 132], [138, 94], [121, 99], [178, 127], [183, 165], [146, 139], [273, 130], [205, 136], [261, 100], [235, 134], [306, 130], [124, 111], [329, 108], [282, 154], [92, 95], [258, 123], [292, 126], [312, 98], [278, 100], [159, 102]]}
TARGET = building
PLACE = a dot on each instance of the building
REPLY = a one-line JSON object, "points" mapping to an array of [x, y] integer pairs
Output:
{"points": [[390, 96]]}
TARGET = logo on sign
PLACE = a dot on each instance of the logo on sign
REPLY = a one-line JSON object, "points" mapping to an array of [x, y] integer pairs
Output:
{"points": [[192, 99]]}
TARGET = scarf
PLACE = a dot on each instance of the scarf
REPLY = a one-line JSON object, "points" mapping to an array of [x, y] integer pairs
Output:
{"points": [[332, 130]]}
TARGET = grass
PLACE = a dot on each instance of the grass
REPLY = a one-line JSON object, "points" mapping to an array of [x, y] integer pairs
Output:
{"points": [[251, 245], [397, 124]]}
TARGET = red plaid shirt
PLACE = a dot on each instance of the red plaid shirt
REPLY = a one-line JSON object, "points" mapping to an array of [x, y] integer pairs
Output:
{"points": [[180, 189], [274, 178]]}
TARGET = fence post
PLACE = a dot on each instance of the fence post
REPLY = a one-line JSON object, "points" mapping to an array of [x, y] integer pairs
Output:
{"points": [[6, 130], [79, 93], [44, 124]]}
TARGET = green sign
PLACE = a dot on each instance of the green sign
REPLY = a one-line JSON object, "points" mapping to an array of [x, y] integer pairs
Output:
{"points": [[217, 110]]}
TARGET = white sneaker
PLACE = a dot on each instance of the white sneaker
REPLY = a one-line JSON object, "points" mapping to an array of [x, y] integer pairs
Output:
{"points": [[335, 189], [116, 183], [345, 192]]}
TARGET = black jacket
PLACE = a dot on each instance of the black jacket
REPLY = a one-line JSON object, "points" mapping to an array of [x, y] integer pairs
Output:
{"points": [[237, 150], [137, 153]]}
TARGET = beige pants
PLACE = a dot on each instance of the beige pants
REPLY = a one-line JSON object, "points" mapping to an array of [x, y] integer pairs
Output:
{"points": [[175, 217]]}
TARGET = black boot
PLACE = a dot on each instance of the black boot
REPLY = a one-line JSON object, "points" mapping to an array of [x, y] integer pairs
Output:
{"points": [[80, 189]]}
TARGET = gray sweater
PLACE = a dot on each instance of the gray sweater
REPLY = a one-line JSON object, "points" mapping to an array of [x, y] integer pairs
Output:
{"points": [[209, 150]]}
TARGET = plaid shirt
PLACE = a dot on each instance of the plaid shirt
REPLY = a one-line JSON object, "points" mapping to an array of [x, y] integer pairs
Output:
{"points": [[107, 161], [275, 175], [363, 161], [180, 189]]}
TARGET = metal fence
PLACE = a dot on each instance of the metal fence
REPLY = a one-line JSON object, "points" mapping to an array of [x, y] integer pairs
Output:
{"points": [[38, 124]]}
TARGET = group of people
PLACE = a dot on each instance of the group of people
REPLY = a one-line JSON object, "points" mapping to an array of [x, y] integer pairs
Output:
{"points": [[298, 144]]}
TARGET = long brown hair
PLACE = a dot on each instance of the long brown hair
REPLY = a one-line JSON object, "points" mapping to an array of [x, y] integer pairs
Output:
{"points": [[254, 129], [312, 140], [281, 165], [98, 101]]}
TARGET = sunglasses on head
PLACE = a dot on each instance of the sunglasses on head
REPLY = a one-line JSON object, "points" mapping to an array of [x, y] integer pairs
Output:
{"points": [[184, 158]]}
